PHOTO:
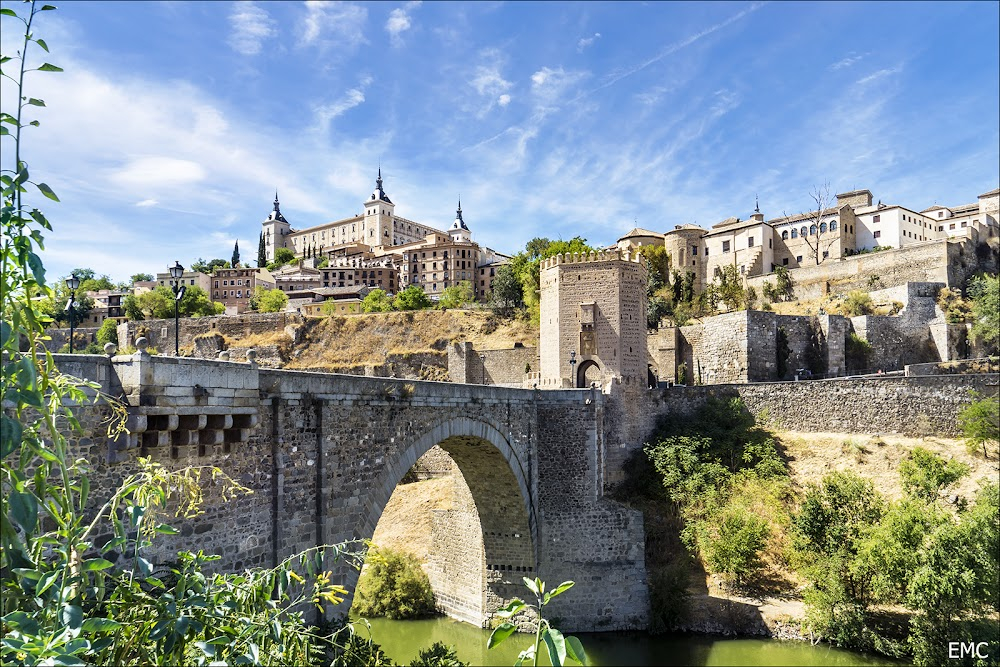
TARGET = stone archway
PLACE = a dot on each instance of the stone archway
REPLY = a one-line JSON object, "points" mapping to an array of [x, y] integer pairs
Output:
{"points": [[588, 372], [483, 548]]}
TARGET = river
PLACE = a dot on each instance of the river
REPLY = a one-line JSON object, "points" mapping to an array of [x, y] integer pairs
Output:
{"points": [[402, 639]]}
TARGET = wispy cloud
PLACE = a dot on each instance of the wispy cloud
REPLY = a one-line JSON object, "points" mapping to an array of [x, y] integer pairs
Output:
{"points": [[399, 22], [338, 24], [350, 99], [146, 203], [251, 25], [587, 41], [489, 81], [848, 60], [552, 84], [875, 76]]}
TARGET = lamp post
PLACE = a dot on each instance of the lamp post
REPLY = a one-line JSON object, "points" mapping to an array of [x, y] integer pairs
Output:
{"points": [[482, 362], [72, 283], [176, 271], [572, 368]]}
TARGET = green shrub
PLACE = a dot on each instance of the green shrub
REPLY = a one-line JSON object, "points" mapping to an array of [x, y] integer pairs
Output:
{"points": [[924, 473], [857, 351], [857, 302], [108, 333], [438, 655], [393, 585], [669, 598], [980, 423], [732, 542]]}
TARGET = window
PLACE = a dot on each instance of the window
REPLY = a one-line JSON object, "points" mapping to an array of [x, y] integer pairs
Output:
{"points": [[750, 242], [940, 214], [965, 223], [876, 218], [951, 226], [795, 233], [216, 283], [798, 258], [784, 261], [725, 246], [784, 235], [802, 232], [833, 225], [878, 234], [822, 228], [812, 230], [706, 251], [826, 254]]}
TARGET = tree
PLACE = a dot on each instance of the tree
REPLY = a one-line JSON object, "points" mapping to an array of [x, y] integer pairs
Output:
{"points": [[507, 295], [924, 473], [730, 288], [56, 305], [141, 277], [282, 256], [261, 252], [985, 291], [133, 308], [858, 302], [235, 261], [96, 284], [268, 300], [201, 266], [980, 423], [376, 301], [158, 303], [411, 298], [108, 333], [817, 240], [393, 585], [657, 263], [457, 296]]}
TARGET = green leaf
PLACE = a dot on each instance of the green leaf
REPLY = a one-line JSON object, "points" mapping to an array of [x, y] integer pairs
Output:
{"points": [[10, 434], [46, 582], [71, 615], [574, 649], [35, 102], [96, 564], [561, 588], [47, 191], [48, 67], [501, 633], [46, 8], [556, 645], [84, 491], [166, 529], [95, 624], [37, 268], [533, 585], [41, 43], [3, 131], [35, 123], [8, 12], [145, 567], [112, 544], [24, 510]]}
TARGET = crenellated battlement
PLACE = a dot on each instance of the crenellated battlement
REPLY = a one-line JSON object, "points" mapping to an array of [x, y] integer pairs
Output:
{"points": [[614, 255]]}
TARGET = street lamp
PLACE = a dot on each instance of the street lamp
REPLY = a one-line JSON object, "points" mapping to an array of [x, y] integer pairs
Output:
{"points": [[72, 283], [176, 271], [572, 368]]}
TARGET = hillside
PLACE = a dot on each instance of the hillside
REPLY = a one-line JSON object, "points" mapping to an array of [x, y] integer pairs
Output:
{"points": [[405, 344]]}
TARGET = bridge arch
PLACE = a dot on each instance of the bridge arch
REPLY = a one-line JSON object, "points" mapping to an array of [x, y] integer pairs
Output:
{"points": [[476, 567]]}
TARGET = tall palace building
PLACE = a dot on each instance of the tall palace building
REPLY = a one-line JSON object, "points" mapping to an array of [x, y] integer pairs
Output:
{"points": [[401, 251]]}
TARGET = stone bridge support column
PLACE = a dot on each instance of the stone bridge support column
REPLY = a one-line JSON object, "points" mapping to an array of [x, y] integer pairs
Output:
{"points": [[584, 536]]}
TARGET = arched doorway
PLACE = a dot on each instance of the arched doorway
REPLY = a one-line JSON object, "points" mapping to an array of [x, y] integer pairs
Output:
{"points": [[589, 372]]}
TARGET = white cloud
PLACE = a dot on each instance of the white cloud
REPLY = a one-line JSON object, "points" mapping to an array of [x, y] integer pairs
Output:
{"points": [[550, 85], [146, 203], [347, 101], [587, 41], [158, 171], [874, 76], [490, 83], [399, 22], [251, 25], [847, 60], [334, 24]]}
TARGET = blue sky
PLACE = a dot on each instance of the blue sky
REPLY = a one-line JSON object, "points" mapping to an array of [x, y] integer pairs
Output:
{"points": [[175, 122]]}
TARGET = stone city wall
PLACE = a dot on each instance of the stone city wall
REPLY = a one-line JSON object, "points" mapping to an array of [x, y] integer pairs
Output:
{"points": [[961, 367], [160, 333], [82, 336], [942, 261], [506, 368]]}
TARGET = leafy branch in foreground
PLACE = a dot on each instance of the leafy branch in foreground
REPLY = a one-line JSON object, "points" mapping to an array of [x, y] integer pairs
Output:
{"points": [[558, 646]]}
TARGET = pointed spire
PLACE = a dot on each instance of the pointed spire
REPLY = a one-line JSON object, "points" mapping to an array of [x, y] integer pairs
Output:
{"points": [[277, 207], [756, 204]]}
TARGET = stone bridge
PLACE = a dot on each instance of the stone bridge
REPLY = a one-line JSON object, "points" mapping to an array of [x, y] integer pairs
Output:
{"points": [[323, 453]]}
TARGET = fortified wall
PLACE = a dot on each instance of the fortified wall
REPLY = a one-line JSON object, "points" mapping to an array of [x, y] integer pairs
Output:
{"points": [[511, 367], [160, 333], [948, 261]]}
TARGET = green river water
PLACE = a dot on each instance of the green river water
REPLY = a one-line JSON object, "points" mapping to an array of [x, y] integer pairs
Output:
{"points": [[402, 639]]}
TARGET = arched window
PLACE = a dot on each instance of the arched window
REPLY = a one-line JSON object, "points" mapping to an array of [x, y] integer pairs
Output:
{"points": [[822, 228], [803, 231], [833, 225], [812, 230], [795, 233], [784, 235]]}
